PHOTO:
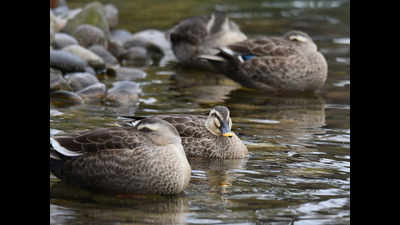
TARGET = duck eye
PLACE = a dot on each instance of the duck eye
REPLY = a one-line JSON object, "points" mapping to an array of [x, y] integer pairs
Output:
{"points": [[217, 123]]}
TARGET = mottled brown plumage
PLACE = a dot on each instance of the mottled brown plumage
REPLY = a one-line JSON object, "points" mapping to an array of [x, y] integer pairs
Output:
{"points": [[290, 63], [147, 158], [198, 35], [208, 136]]}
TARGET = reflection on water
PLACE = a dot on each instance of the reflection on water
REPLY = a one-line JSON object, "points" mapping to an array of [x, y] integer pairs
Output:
{"points": [[298, 170]]}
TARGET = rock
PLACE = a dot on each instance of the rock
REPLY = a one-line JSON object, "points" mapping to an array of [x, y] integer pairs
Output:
{"points": [[107, 57], [63, 40], [120, 36], [116, 49], [79, 81], [52, 36], [89, 57], [65, 98], [57, 81], [57, 23], [93, 93], [66, 61], [93, 14], [111, 15], [137, 56], [90, 70], [126, 73], [88, 35], [123, 93]]}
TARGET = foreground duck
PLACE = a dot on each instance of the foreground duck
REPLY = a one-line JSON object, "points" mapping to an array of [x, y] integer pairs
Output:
{"points": [[208, 137], [199, 35], [145, 159], [290, 63]]}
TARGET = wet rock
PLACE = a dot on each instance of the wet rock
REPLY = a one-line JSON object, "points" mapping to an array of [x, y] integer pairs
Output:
{"points": [[66, 61], [111, 15], [57, 81], [126, 73], [62, 9], [93, 14], [89, 57], [123, 93], [116, 49], [120, 36], [79, 81], [107, 57], [63, 40], [65, 98], [137, 56], [52, 36], [93, 93], [88, 35]]}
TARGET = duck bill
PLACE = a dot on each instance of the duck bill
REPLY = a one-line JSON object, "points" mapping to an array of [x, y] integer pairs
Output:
{"points": [[226, 132]]}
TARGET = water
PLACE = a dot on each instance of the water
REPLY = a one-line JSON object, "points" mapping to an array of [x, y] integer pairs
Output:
{"points": [[298, 171]]}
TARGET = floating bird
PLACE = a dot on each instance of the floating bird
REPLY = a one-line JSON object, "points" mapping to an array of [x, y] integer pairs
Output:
{"points": [[200, 35], [290, 63], [145, 159], [207, 136]]}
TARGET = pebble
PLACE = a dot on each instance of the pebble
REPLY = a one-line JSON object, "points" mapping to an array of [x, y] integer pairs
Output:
{"points": [[66, 61], [93, 93], [57, 81], [107, 57], [120, 36], [93, 14], [88, 35], [89, 57], [116, 49], [137, 56], [63, 40], [65, 98], [112, 15], [126, 73], [78, 81], [123, 93]]}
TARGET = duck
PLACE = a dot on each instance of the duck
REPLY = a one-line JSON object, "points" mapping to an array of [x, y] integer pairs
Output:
{"points": [[278, 64], [145, 159], [206, 137], [198, 35]]}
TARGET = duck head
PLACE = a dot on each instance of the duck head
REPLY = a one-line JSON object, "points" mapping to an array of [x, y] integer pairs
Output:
{"points": [[219, 122]]}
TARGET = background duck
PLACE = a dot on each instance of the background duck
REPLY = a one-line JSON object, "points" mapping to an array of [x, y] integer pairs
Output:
{"points": [[290, 63], [207, 136], [199, 35], [145, 159]]}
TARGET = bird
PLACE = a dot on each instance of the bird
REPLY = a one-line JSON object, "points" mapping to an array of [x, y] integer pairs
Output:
{"points": [[206, 137], [278, 64], [198, 35], [145, 159]]}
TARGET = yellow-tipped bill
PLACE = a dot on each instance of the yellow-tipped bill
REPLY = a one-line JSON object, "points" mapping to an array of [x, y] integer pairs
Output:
{"points": [[228, 134]]}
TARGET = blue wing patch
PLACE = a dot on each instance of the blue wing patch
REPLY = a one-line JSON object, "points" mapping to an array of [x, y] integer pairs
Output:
{"points": [[247, 57]]}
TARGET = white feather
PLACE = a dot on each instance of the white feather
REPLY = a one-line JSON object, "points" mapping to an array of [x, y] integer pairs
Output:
{"points": [[211, 57], [60, 149]]}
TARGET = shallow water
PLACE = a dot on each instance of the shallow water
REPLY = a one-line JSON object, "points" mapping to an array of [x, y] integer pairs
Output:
{"points": [[298, 171]]}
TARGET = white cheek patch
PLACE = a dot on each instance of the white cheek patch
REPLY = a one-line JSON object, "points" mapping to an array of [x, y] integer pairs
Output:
{"points": [[151, 126], [298, 38]]}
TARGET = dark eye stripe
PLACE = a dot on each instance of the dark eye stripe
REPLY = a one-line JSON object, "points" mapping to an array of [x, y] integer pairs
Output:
{"points": [[219, 118], [145, 129]]}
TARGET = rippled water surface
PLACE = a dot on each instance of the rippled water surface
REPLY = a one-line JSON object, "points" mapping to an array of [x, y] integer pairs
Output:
{"points": [[298, 171]]}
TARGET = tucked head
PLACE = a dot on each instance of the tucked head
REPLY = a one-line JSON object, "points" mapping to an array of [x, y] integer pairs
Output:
{"points": [[159, 131], [219, 122], [300, 38]]}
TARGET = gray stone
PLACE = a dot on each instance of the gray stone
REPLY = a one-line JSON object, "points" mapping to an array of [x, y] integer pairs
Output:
{"points": [[107, 57], [93, 93], [88, 56], [123, 93], [111, 15], [93, 14], [120, 36], [79, 81], [63, 40], [88, 35], [66, 61], [116, 49], [57, 81], [126, 73], [63, 98], [137, 56], [90, 70]]}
